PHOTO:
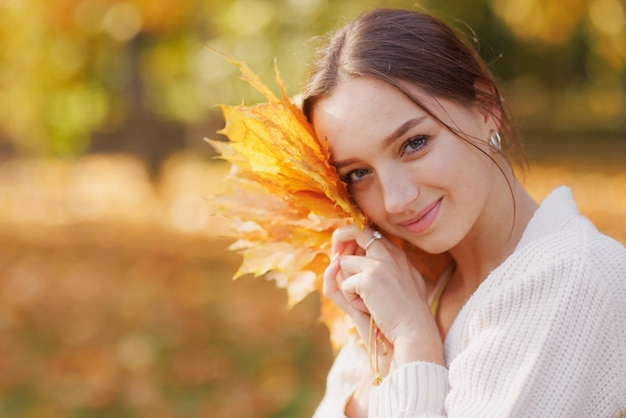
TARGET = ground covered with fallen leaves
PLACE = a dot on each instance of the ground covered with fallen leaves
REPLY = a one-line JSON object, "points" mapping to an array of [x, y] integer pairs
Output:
{"points": [[116, 298]]}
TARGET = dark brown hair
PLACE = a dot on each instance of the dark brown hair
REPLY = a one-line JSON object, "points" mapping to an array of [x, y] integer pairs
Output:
{"points": [[404, 47]]}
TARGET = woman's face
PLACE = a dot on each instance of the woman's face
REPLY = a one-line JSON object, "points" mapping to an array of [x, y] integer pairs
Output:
{"points": [[407, 172]]}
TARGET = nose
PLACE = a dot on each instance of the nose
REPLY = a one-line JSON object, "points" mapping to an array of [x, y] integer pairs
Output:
{"points": [[398, 190]]}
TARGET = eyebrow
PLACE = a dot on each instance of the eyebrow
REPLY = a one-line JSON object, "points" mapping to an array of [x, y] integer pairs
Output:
{"points": [[401, 130]]}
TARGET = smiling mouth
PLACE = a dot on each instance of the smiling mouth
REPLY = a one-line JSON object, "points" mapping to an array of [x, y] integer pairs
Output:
{"points": [[424, 219]]}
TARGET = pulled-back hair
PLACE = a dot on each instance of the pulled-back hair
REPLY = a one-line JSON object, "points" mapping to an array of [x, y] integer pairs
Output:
{"points": [[403, 48]]}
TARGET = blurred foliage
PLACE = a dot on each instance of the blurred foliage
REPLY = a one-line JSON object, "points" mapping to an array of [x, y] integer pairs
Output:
{"points": [[116, 297], [72, 67], [116, 301]]}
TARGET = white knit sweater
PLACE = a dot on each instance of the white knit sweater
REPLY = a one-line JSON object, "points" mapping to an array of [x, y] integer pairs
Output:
{"points": [[543, 336]]}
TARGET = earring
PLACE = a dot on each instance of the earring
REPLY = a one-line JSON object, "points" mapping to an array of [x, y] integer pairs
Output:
{"points": [[495, 142]]}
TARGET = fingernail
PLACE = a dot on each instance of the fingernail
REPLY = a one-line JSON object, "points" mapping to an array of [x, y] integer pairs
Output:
{"points": [[334, 257]]}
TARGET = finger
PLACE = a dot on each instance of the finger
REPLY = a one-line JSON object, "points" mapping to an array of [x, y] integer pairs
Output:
{"points": [[332, 287], [351, 304], [377, 245], [354, 264], [357, 310], [330, 283], [350, 290], [350, 248], [351, 233], [344, 240]]}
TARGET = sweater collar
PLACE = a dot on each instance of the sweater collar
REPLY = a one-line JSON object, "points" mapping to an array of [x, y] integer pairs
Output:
{"points": [[554, 213]]}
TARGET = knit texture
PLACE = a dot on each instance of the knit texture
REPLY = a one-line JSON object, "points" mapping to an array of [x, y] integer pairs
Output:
{"points": [[350, 365], [543, 336]]}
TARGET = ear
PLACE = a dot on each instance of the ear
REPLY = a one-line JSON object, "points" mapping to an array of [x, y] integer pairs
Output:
{"points": [[488, 103]]}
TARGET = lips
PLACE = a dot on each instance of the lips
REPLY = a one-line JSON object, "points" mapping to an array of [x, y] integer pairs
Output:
{"points": [[424, 219]]}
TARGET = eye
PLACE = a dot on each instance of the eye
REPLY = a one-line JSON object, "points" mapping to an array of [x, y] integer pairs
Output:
{"points": [[414, 144], [354, 176]]}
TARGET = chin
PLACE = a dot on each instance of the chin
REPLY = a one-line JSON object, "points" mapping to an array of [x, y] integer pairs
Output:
{"points": [[429, 245], [435, 249]]}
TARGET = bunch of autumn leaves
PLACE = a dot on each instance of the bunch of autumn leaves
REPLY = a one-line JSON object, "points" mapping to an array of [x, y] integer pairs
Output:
{"points": [[285, 200], [283, 197]]}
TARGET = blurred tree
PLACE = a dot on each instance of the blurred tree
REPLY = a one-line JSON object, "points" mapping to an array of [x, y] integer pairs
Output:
{"points": [[137, 72]]}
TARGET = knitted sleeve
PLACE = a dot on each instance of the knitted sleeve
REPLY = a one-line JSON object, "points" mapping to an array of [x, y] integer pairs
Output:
{"points": [[540, 340], [416, 389], [349, 367]]}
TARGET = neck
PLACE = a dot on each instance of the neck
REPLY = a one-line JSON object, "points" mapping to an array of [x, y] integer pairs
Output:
{"points": [[495, 235]]}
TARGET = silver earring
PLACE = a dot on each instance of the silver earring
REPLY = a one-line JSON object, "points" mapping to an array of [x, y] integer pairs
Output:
{"points": [[495, 142]]}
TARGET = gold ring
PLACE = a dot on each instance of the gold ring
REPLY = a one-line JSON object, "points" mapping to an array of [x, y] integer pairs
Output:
{"points": [[375, 235]]}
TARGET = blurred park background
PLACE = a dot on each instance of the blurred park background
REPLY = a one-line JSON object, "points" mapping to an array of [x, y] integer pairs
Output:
{"points": [[115, 290]]}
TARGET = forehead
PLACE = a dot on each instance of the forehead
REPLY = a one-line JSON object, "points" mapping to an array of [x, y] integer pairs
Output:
{"points": [[366, 107]]}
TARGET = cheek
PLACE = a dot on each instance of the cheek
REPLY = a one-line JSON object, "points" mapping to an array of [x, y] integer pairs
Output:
{"points": [[468, 166], [473, 181], [371, 204]]}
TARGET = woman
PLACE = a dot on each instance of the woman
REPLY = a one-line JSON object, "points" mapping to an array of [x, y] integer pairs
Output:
{"points": [[530, 319]]}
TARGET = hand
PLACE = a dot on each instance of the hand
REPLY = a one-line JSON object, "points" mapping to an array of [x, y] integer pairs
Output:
{"points": [[382, 282], [333, 277]]}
